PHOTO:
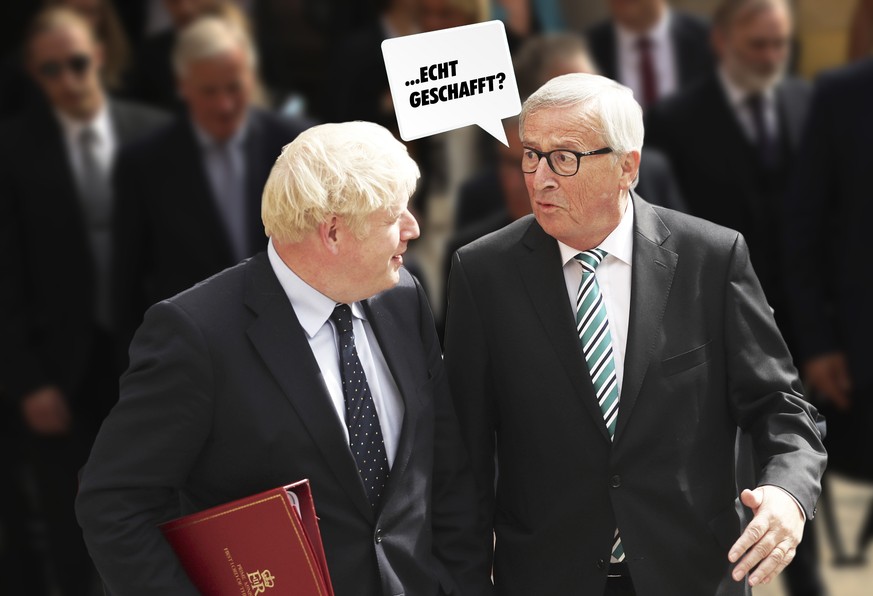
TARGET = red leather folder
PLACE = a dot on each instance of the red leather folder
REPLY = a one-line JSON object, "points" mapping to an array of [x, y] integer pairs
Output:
{"points": [[267, 543]]}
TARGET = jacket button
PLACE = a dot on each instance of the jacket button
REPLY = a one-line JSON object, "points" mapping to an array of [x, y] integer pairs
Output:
{"points": [[601, 564], [378, 535], [615, 481]]}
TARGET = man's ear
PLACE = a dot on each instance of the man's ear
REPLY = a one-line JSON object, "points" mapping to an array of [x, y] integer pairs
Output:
{"points": [[630, 167], [329, 234]]}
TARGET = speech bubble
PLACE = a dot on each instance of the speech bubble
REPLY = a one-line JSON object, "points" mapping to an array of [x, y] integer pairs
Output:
{"points": [[447, 79]]}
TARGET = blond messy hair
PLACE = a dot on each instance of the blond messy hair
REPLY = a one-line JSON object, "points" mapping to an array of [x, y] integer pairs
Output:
{"points": [[350, 169]]}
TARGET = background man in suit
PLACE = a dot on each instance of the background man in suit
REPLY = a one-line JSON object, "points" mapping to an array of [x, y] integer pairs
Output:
{"points": [[189, 196], [614, 433], [827, 262], [753, 117], [55, 209], [238, 385], [651, 48]]}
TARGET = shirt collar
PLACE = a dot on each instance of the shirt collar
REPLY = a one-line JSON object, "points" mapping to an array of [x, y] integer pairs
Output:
{"points": [[619, 243], [100, 124], [313, 308], [659, 34], [736, 96]]}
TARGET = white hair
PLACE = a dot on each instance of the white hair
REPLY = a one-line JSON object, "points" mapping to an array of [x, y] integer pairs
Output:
{"points": [[350, 169], [608, 108], [210, 36]]}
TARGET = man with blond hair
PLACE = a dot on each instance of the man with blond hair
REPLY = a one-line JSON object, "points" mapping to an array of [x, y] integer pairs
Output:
{"points": [[243, 383]]}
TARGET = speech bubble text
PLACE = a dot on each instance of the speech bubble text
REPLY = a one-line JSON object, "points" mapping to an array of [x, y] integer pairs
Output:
{"points": [[452, 78]]}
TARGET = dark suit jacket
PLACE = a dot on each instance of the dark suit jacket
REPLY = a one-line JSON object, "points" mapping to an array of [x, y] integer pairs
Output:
{"points": [[224, 398], [703, 358], [826, 215], [721, 180], [152, 79], [47, 270], [168, 229], [688, 33]]}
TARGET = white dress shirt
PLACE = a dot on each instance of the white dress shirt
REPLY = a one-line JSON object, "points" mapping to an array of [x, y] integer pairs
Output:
{"points": [[663, 58], [738, 100], [614, 278], [313, 310]]}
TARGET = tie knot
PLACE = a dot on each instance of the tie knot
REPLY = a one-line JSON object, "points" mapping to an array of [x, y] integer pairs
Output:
{"points": [[590, 259], [644, 43], [342, 318]]}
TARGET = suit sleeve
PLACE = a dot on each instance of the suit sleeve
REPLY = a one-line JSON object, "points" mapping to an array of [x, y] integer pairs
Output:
{"points": [[468, 370], [765, 391], [454, 514], [143, 455]]}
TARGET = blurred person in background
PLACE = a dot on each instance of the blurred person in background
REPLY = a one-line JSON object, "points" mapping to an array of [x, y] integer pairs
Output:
{"points": [[55, 209], [363, 92], [827, 254], [751, 116], [651, 48], [102, 16], [297, 41], [152, 79], [189, 197]]}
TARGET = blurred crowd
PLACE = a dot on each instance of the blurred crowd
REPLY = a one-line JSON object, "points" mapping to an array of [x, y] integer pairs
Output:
{"points": [[136, 136]]}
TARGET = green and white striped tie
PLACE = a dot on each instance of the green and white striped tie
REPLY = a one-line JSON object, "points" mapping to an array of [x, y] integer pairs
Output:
{"points": [[592, 325]]}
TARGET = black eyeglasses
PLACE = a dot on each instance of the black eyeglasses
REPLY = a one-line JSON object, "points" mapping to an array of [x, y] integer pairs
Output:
{"points": [[563, 162], [77, 64]]}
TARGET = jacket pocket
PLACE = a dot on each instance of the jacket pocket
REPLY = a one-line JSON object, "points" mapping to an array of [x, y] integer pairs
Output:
{"points": [[686, 360]]}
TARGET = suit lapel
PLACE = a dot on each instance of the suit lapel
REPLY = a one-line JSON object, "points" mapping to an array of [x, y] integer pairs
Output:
{"points": [[394, 343], [544, 280], [651, 279], [281, 342], [191, 172]]}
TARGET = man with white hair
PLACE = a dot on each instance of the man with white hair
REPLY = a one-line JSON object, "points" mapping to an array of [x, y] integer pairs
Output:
{"points": [[602, 354], [189, 197], [241, 384]]}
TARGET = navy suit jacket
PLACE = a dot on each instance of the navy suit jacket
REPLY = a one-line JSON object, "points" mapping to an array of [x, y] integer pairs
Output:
{"points": [[224, 398], [826, 215]]}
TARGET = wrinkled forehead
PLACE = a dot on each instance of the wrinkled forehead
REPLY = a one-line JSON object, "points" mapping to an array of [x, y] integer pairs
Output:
{"points": [[565, 127]]}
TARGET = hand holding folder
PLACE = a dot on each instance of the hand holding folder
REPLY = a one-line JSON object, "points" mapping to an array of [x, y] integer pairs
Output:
{"points": [[262, 544]]}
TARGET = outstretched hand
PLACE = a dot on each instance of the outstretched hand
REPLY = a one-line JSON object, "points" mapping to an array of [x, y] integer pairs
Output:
{"points": [[768, 544]]}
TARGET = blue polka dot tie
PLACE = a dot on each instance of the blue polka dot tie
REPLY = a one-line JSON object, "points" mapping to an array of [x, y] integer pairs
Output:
{"points": [[362, 420], [592, 326]]}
